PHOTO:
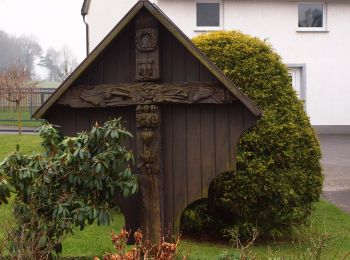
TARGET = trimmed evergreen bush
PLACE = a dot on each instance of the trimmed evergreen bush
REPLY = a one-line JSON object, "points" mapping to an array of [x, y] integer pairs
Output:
{"points": [[278, 174]]}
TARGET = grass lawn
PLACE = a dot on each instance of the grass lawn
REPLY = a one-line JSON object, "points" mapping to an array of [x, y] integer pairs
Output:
{"points": [[28, 143], [9, 118], [326, 221]]}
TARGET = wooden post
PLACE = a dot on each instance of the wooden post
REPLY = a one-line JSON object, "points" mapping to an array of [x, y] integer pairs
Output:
{"points": [[19, 117], [148, 147], [148, 133]]}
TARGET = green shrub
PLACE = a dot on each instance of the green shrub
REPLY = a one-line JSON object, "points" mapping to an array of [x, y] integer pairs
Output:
{"points": [[278, 174], [196, 218], [72, 184]]}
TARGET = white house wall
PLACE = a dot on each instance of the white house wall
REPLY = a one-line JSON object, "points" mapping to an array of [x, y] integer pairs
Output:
{"points": [[103, 15], [325, 56]]}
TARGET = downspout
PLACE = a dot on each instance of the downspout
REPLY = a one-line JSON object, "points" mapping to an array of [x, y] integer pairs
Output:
{"points": [[84, 12], [87, 35]]}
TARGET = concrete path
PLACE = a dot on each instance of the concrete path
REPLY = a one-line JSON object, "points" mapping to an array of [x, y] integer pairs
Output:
{"points": [[336, 167], [14, 130]]}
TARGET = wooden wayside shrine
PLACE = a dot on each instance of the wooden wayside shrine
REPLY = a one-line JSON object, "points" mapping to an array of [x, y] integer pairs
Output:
{"points": [[186, 115]]}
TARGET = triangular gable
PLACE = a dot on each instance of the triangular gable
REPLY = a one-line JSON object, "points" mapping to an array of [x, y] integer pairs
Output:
{"points": [[175, 31]]}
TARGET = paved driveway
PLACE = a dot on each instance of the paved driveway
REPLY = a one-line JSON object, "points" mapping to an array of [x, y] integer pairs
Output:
{"points": [[14, 130], [336, 167]]}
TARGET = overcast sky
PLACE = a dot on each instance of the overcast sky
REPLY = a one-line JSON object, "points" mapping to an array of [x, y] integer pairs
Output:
{"points": [[52, 22]]}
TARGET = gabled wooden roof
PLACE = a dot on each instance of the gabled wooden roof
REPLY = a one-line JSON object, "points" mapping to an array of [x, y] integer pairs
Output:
{"points": [[173, 29]]}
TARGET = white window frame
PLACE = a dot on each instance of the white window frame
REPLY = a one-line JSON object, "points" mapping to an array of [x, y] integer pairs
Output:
{"points": [[221, 17], [313, 29], [302, 77]]}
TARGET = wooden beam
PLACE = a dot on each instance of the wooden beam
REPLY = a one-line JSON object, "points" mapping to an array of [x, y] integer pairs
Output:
{"points": [[111, 95]]}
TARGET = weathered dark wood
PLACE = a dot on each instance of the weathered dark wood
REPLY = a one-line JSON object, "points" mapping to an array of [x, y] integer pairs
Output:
{"points": [[179, 163], [178, 55], [109, 69], [236, 129], [207, 147], [165, 55], [148, 62], [96, 73], [168, 162], [146, 93], [148, 148], [194, 174], [192, 69], [57, 117], [222, 145], [147, 48], [83, 120]]}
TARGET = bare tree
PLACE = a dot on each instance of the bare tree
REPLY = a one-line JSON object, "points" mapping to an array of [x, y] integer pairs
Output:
{"points": [[68, 62], [59, 64], [29, 51], [15, 86], [24, 49], [50, 63]]}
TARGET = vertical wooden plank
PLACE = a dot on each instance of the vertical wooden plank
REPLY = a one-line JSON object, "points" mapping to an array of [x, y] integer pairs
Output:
{"points": [[179, 163], [162, 190], [178, 61], [96, 72], [124, 113], [109, 64], [132, 53], [236, 130], [97, 116], [249, 119], [167, 151], [83, 120], [194, 174], [82, 80], [222, 139], [122, 57], [207, 147], [69, 121], [56, 117], [63, 117], [127, 124], [204, 74], [132, 127], [192, 68], [129, 207], [165, 55]]}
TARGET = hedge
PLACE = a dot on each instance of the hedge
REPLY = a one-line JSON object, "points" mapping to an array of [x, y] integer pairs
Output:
{"points": [[278, 173]]}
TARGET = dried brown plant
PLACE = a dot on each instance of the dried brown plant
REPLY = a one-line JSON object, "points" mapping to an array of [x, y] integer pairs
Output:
{"points": [[142, 249]]}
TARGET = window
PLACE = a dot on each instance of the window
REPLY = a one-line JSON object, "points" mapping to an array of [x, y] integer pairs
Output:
{"points": [[297, 75], [294, 74], [208, 15], [311, 16]]}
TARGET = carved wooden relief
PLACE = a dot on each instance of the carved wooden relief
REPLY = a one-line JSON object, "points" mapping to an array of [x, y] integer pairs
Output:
{"points": [[148, 147], [147, 50], [147, 93]]}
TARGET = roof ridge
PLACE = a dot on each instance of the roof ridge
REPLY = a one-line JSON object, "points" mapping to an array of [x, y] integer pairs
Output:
{"points": [[175, 31]]}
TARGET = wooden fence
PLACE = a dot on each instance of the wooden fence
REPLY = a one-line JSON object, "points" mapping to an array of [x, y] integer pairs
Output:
{"points": [[31, 99]]}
